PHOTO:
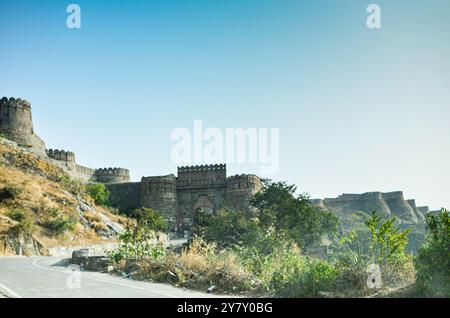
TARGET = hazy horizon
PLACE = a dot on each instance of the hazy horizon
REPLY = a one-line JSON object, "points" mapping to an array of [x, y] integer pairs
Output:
{"points": [[359, 110]]}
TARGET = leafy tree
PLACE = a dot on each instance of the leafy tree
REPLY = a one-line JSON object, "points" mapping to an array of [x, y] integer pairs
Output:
{"points": [[433, 260], [99, 193], [293, 215]]}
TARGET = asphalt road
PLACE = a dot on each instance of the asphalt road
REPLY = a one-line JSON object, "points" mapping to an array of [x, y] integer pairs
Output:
{"points": [[49, 277]]}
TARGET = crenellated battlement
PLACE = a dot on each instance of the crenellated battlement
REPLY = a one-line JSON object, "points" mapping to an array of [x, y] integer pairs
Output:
{"points": [[244, 182], [201, 176], [61, 155], [112, 175], [395, 195], [160, 184], [16, 103], [116, 172], [202, 168]]}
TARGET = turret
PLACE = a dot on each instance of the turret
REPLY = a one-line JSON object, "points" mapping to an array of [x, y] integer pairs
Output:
{"points": [[160, 194], [17, 124], [241, 189], [112, 175]]}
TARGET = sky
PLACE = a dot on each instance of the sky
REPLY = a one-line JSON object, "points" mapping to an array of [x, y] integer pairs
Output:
{"points": [[357, 109]]}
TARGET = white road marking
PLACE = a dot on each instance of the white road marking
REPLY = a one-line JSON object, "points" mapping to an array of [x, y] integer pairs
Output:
{"points": [[9, 291], [103, 281]]}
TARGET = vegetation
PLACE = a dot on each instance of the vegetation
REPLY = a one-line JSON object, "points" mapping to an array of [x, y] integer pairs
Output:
{"points": [[26, 223], [291, 215], [281, 214], [99, 193], [433, 261], [140, 241], [238, 254], [58, 223]]}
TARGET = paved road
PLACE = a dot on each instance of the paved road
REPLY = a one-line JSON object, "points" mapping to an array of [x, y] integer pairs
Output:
{"points": [[49, 277]]}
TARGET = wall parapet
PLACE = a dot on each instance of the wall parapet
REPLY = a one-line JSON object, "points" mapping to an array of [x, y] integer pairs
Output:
{"points": [[61, 155]]}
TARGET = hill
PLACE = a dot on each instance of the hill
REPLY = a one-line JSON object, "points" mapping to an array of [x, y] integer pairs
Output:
{"points": [[41, 207]]}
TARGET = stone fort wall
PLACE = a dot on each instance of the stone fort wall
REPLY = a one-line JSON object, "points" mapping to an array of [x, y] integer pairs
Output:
{"points": [[388, 204], [196, 188]]}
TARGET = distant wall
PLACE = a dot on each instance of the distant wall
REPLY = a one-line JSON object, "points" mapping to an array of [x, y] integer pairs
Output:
{"points": [[387, 204]]}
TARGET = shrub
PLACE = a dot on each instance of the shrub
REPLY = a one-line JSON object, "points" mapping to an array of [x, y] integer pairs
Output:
{"points": [[99, 193], [58, 223], [302, 276], [23, 217], [433, 261], [384, 246], [138, 241]]}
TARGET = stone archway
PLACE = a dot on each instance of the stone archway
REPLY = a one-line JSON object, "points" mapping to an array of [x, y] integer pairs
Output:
{"points": [[203, 204]]}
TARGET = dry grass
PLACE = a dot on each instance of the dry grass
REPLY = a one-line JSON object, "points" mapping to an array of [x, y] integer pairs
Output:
{"points": [[199, 267], [38, 196]]}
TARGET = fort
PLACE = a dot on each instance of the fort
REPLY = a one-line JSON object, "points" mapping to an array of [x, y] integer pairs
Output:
{"points": [[178, 198], [204, 188]]}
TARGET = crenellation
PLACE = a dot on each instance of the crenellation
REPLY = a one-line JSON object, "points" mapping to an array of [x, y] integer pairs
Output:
{"points": [[112, 175], [61, 155]]}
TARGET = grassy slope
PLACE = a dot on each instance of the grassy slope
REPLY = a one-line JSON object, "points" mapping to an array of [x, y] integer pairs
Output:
{"points": [[38, 196]]}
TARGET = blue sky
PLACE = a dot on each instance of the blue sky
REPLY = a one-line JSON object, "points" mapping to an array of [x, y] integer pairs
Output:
{"points": [[358, 109]]}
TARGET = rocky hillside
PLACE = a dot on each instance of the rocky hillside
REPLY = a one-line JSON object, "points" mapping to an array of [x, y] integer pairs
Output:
{"points": [[42, 208]]}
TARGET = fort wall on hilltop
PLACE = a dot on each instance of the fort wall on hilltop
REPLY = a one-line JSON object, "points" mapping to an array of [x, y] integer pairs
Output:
{"points": [[387, 204]]}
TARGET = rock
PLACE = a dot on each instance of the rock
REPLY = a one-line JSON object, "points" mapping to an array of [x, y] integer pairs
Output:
{"points": [[211, 289]]}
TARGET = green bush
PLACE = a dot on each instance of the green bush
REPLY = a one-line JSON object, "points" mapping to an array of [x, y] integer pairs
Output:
{"points": [[58, 223], [433, 261], [23, 217], [137, 242], [3, 135], [99, 193], [304, 277]]}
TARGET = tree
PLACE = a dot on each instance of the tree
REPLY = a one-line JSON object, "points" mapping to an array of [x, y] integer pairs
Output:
{"points": [[229, 227], [293, 215], [433, 260]]}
